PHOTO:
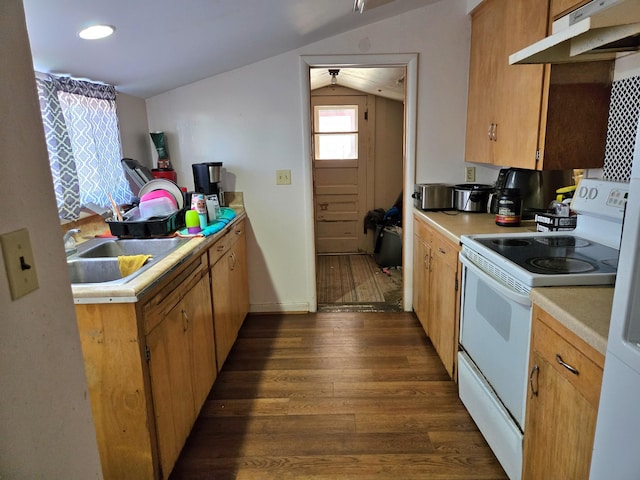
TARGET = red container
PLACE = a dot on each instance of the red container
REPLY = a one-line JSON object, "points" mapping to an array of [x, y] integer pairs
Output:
{"points": [[168, 173]]}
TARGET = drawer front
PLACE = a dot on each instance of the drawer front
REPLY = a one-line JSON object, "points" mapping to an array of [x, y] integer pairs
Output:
{"points": [[446, 250], [220, 248], [226, 242], [578, 369], [169, 295], [238, 231], [422, 230]]}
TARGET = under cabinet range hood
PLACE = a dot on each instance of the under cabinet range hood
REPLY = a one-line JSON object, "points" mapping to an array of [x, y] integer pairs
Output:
{"points": [[599, 30]]}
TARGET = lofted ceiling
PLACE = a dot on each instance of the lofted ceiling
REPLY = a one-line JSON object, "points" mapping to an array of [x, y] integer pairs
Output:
{"points": [[160, 45], [385, 82]]}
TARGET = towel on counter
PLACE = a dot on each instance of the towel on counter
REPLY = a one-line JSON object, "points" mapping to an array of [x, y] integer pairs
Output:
{"points": [[226, 215], [131, 263]]}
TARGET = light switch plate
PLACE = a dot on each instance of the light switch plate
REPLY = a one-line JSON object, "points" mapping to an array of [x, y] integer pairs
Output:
{"points": [[283, 177], [19, 263]]}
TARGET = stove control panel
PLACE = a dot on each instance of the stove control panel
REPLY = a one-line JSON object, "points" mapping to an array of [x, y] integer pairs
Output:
{"points": [[600, 198]]}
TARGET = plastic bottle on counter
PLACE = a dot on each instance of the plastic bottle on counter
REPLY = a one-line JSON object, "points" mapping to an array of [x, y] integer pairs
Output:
{"points": [[192, 221], [509, 208]]}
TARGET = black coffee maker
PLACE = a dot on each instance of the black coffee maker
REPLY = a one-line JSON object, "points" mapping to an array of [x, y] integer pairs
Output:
{"points": [[207, 177], [536, 187]]}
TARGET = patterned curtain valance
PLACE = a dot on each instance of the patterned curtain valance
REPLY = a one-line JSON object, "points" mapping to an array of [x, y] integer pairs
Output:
{"points": [[86, 89]]}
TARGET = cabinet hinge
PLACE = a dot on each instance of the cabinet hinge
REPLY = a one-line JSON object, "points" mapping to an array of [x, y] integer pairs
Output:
{"points": [[366, 114], [147, 352], [537, 155], [456, 285]]}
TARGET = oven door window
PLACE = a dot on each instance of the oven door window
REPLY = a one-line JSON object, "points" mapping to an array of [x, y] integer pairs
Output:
{"points": [[495, 331]]}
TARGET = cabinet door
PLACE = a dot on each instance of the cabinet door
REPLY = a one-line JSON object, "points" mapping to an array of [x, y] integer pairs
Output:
{"points": [[222, 309], [443, 300], [560, 8], [559, 429], [171, 384], [197, 305], [239, 279], [486, 48], [421, 259], [520, 87]]}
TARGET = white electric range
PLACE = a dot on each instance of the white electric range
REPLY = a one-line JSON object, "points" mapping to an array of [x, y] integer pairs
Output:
{"points": [[495, 323]]}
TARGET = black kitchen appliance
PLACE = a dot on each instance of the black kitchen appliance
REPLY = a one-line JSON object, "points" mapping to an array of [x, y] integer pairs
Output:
{"points": [[207, 178], [537, 188]]}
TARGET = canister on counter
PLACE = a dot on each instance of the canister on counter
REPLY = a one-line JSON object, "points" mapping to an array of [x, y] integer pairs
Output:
{"points": [[509, 208]]}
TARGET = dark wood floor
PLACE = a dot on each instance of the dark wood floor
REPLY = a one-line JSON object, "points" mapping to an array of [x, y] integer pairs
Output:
{"points": [[335, 396]]}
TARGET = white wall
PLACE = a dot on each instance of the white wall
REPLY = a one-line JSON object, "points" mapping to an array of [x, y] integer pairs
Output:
{"points": [[134, 128], [250, 119], [46, 429], [627, 66]]}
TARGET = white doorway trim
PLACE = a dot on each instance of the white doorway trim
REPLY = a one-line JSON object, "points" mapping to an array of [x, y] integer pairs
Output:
{"points": [[410, 61]]}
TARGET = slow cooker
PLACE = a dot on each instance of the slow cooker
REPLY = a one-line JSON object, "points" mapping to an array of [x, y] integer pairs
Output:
{"points": [[472, 197]]}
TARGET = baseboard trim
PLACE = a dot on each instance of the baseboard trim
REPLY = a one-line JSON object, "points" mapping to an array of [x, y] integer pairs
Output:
{"points": [[279, 308]]}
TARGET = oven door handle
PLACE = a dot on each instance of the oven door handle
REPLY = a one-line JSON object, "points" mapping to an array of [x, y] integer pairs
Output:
{"points": [[495, 284]]}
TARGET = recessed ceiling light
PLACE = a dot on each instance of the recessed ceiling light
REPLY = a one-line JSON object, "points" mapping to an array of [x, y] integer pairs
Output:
{"points": [[95, 32]]}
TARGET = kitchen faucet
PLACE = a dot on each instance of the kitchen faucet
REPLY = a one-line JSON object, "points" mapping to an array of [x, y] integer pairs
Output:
{"points": [[69, 241]]}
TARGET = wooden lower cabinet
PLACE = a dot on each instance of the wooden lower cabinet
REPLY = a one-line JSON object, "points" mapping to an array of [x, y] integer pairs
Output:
{"points": [[229, 289], [436, 293], [562, 402], [151, 364], [182, 368], [421, 272]]}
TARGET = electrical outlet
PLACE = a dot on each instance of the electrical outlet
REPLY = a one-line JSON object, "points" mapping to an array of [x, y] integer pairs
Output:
{"points": [[283, 177], [18, 260], [469, 174]]}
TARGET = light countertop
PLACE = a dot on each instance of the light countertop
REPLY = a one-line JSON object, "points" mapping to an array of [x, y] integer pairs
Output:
{"points": [[585, 310], [131, 291], [454, 224]]}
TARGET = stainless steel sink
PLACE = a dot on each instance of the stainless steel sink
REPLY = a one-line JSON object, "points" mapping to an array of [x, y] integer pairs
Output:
{"points": [[94, 270], [96, 260], [134, 246]]}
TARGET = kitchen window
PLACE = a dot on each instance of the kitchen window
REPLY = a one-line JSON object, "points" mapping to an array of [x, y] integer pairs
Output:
{"points": [[83, 143], [336, 132]]}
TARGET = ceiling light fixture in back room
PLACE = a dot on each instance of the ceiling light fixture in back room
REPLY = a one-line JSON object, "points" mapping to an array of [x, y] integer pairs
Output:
{"points": [[334, 75]]}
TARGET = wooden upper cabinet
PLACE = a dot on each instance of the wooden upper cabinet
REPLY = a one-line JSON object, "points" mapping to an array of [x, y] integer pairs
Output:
{"points": [[486, 45], [544, 117], [559, 8]]}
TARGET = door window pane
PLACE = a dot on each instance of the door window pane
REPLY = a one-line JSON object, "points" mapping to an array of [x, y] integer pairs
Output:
{"points": [[336, 146], [336, 132]]}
